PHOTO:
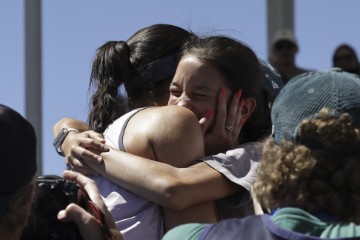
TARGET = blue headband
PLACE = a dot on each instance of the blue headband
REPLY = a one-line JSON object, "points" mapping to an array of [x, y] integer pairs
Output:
{"points": [[161, 69]]}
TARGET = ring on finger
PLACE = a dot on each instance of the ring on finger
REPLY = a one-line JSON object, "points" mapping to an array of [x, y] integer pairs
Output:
{"points": [[229, 128]]}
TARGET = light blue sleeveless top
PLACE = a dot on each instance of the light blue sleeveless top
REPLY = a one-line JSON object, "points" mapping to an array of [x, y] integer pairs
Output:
{"points": [[136, 217]]}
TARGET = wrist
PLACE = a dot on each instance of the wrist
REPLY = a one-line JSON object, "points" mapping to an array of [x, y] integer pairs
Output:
{"points": [[59, 140]]}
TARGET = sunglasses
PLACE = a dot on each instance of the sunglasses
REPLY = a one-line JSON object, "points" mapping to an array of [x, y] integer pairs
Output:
{"points": [[284, 45]]}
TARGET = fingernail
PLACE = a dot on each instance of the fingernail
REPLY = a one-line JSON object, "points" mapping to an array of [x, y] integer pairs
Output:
{"points": [[222, 92], [99, 159], [208, 114], [61, 214], [241, 102], [101, 139], [239, 93]]}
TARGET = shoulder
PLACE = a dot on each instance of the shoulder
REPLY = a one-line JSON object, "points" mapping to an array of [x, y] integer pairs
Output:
{"points": [[189, 231], [251, 227], [166, 118], [238, 164], [226, 229], [162, 127], [170, 111]]}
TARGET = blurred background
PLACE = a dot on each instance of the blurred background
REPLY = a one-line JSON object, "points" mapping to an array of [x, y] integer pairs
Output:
{"points": [[71, 31]]}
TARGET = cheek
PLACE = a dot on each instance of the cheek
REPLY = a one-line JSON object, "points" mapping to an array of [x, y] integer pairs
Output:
{"points": [[171, 101], [205, 106]]}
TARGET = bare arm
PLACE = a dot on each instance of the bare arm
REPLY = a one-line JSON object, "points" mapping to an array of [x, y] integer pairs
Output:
{"points": [[69, 123], [164, 184], [161, 183], [78, 146], [172, 135]]}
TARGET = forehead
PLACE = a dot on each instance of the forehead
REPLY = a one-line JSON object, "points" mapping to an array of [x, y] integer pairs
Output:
{"points": [[192, 71]]}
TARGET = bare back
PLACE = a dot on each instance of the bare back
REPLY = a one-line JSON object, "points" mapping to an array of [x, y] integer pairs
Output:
{"points": [[171, 135]]}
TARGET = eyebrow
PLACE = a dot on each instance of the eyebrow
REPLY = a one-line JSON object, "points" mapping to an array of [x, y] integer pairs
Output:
{"points": [[196, 87]]}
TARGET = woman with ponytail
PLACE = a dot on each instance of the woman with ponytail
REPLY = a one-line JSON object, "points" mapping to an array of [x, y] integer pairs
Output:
{"points": [[170, 135]]}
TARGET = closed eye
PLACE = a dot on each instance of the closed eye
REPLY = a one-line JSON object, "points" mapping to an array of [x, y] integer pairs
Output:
{"points": [[202, 95], [175, 93], [204, 92]]}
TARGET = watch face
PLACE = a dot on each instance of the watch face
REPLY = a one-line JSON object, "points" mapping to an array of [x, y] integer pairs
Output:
{"points": [[59, 140], [60, 137]]}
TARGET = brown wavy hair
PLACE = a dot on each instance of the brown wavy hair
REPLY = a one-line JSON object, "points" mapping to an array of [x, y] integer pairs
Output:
{"points": [[319, 173]]}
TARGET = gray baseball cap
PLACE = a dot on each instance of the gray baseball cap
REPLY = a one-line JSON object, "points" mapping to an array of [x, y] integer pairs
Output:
{"points": [[306, 94]]}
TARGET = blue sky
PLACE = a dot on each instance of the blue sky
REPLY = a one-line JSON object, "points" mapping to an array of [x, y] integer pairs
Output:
{"points": [[73, 30]]}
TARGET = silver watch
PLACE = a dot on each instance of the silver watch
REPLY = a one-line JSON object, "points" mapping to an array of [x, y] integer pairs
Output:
{"points": [[60, 139]]}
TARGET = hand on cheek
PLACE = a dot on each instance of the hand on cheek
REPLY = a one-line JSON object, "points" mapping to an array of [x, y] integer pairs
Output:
{"points": [[205, 121], [226, 127]]}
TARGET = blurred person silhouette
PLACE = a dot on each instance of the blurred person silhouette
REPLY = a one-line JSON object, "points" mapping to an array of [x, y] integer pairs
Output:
{"points": [[284, 48], [308, 181], [17, 175], [345, 57]]}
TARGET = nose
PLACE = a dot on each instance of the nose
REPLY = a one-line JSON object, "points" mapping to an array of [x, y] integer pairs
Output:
{"points": [[184, 101]]}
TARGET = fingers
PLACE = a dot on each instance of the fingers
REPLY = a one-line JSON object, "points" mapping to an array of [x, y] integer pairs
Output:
{"points": [[89, 140], [221, 112], [228, 116], [97, 136], [205, 121], [87, 224], [93, 191], [83, 146], [94, 140], [225, 131], [85, 153], [88, 184], [238, 121], [231, 118]]}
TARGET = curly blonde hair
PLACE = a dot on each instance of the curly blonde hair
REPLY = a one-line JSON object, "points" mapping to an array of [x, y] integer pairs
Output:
{"points": [[319, 173]]}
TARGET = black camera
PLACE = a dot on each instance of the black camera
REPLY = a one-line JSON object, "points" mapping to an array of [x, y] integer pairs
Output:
{"points": [[52, 194]]}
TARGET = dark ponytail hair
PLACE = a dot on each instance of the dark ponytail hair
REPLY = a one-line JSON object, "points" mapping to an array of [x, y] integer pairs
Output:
{"points": [[119, 62], [111, 68]]}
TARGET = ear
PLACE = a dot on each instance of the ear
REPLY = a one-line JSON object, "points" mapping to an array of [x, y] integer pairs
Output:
{"points": [[248, 108]]}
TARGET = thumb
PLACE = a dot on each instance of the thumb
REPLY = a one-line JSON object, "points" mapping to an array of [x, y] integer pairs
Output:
{"points": [[87, 224], [205, 121]]}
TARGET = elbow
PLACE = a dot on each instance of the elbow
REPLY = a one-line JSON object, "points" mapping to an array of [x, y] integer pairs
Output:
{"points": [[172, 194]]}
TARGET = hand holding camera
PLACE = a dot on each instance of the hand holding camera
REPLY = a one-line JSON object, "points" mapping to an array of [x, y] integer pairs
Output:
{"points": [[69, 208], [97, 214]]}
